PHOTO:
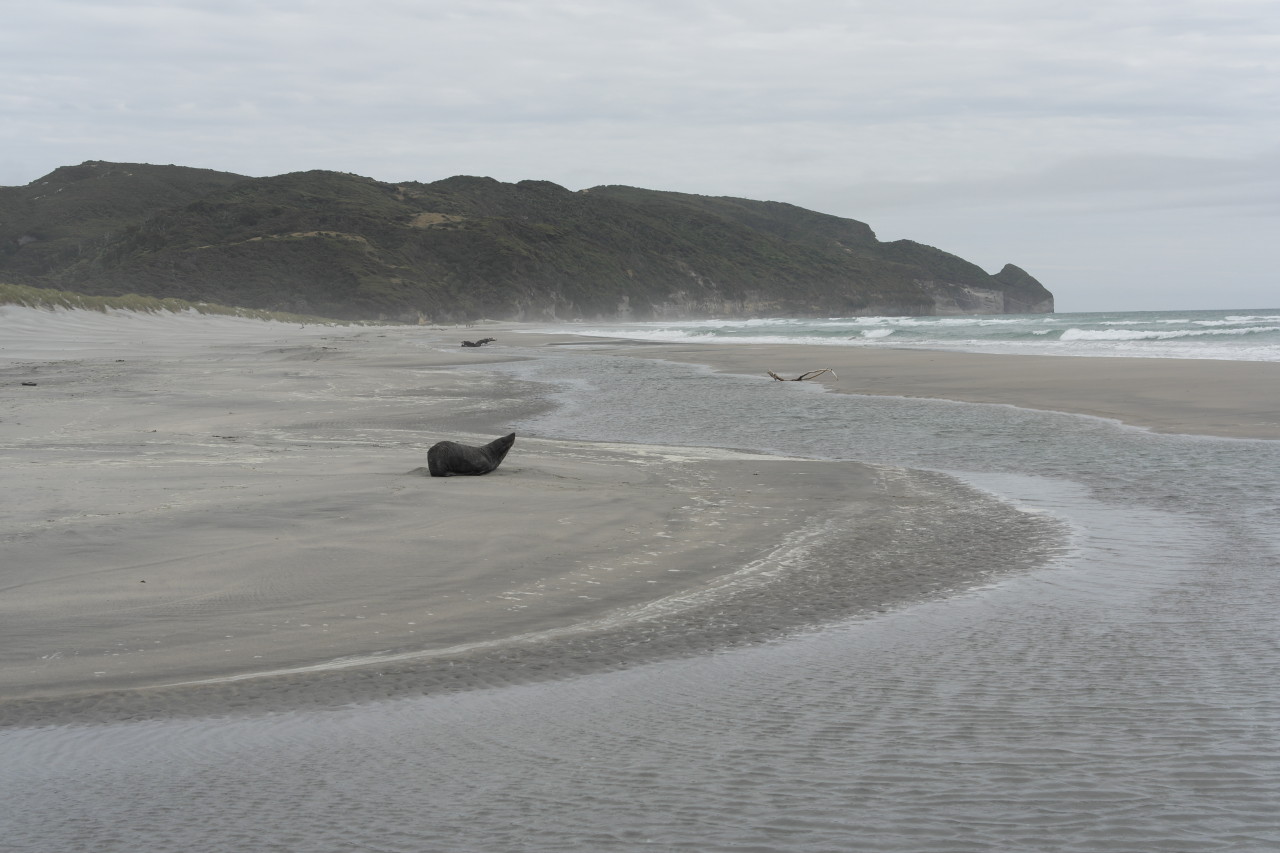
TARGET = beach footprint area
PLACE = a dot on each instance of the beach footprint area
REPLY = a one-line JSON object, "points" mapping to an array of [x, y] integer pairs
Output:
{"points": [[209, 515]]}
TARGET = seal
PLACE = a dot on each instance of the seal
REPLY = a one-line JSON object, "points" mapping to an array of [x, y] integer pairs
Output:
{"points": [[448, 458]]}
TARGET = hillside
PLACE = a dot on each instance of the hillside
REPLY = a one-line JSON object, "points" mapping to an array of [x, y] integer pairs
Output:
{"points": [[342, 245]]}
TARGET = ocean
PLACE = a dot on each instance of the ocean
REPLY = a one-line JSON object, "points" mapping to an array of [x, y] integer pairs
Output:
{"points": [[1235, 335], [1124, 696]]}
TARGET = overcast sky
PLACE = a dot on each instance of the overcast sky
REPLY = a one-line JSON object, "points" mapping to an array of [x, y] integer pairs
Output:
{"points": [[1126, 152]]}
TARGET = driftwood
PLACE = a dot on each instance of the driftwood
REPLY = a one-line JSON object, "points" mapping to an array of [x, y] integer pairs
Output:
{"points": [[812, 374], [478, 343]]}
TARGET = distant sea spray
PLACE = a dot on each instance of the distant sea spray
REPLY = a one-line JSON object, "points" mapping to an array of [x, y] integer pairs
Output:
{"points": [[1232, 335]]}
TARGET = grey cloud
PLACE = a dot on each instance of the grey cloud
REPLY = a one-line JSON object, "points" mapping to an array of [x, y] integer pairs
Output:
{"points": [[1099, 181], [857, 107]]}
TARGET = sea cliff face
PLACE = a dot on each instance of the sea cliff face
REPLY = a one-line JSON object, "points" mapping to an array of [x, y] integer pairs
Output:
{"points": [[963, 299], [346, 246]]}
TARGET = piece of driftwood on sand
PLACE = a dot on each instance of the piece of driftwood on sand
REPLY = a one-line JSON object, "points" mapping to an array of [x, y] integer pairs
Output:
{"points": [[812, 374]]}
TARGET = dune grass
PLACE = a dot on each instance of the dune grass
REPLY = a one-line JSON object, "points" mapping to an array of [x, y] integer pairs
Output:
{"points": [[40, 297]]}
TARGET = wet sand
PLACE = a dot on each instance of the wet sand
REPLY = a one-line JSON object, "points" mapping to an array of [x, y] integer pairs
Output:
{"points": [[1230, 399], [204, 516]]}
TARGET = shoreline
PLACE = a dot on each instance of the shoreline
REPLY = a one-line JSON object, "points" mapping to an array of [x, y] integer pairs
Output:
{"points": [[250, 516], [1224, 399], [265, 494]]}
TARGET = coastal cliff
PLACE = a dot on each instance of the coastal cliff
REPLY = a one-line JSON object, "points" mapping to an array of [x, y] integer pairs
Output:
{"points": [[346, 246]]}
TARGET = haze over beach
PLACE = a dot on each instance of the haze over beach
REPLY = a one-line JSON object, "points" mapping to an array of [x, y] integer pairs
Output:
{"points": [[1123, 153], [998, 582]]}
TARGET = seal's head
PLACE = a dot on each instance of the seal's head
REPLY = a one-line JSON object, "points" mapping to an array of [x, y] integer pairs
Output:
{"points": [[497, 449]]}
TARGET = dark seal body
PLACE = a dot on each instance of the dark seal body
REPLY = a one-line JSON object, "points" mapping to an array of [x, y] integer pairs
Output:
{"points": [[447, 458]]}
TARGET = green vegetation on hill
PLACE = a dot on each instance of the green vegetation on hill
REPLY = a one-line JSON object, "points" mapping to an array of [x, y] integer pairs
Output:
{"points": [[342, 245]]}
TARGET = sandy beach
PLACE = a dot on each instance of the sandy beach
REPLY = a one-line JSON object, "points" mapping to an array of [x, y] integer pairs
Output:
{"points": [[206, 515]]}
